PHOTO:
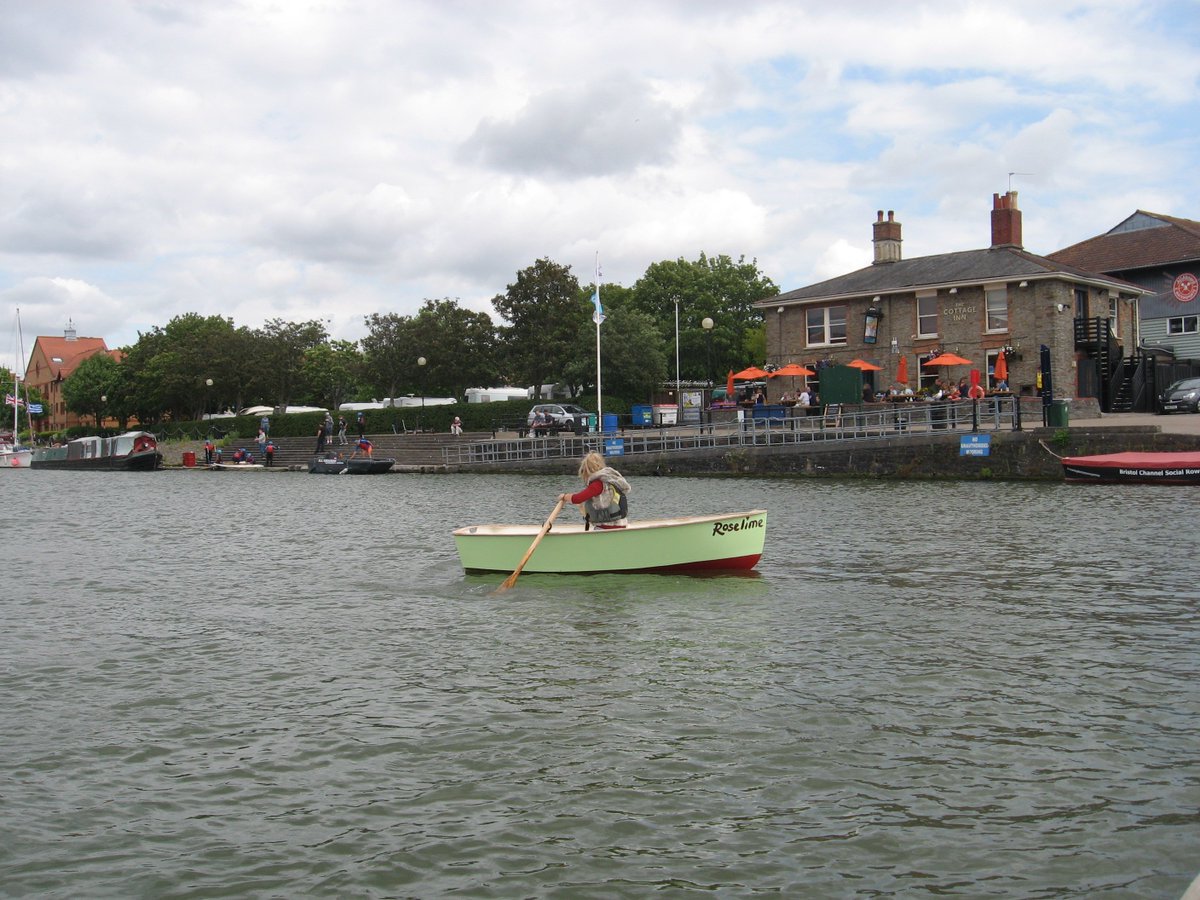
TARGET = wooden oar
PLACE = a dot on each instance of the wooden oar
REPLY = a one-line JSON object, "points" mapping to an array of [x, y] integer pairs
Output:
{"points": [[512, 579]]}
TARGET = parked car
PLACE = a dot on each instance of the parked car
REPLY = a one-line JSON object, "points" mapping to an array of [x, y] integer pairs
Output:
{"points": [[1182, 396], [561, 417]]}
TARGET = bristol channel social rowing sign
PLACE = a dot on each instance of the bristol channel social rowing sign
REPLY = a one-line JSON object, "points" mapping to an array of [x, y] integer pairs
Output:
{"points": [[975, 445]]}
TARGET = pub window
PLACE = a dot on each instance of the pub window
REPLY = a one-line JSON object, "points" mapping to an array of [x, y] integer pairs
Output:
{"points": [[996, 306], [825, 325], [927, 378], [1112, 315], [1182, 325], [927, 317]]}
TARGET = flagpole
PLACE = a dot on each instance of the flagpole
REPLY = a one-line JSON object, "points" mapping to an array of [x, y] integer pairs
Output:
{"points": [[598, 317]]}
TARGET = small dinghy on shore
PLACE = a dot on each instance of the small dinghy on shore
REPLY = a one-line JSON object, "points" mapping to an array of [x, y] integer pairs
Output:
{"points": [[733, 541], [326, 465]]}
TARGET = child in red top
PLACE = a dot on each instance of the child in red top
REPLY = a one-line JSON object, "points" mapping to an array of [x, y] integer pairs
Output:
{"points": [[603, 502]]}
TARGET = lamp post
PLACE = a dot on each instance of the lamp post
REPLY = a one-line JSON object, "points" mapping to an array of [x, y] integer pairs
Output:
{"points": [[678, 396], [207, 388], [707, 324], [100, 415], [421, 367]]}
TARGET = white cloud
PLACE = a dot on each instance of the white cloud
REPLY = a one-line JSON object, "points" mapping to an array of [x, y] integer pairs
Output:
{"points": [[326, 161], [605, 128]]}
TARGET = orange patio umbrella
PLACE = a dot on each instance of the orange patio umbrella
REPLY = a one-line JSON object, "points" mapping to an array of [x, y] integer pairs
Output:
{"points": [[729, 386], [864, 365], [948, 359], [791, 369], [1000, 372], [753, 373], [902, 370]]}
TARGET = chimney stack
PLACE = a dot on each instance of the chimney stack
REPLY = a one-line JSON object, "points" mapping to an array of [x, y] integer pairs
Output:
{"points": [[887, 238], [1006, 221]]}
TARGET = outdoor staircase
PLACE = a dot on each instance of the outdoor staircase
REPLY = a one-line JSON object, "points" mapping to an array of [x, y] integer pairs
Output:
{"points": [[1096, 338], [1122, 387]]}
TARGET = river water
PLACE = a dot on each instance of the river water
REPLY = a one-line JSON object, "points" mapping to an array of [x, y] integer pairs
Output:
{"points": [[275, 685]]}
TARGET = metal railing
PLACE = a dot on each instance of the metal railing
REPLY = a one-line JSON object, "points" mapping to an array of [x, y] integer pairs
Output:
{"points": [[868, 422]]}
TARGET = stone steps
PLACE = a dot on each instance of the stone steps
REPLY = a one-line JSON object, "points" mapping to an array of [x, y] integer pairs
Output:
{"points": [[409, 450]]}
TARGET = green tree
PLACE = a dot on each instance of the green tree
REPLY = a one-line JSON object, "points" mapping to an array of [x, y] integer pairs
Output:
{"points": [[240, 374], [544, 319], [633, 359], [458, 346], [165, 371], [86, 390], [331, 373], [389, 353], [714, 287], [280, 351]]}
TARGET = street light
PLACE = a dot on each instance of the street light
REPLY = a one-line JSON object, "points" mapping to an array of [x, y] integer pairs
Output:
{"points": [[707, 324], [100, 416], [207, 388], [421, 367], [678, 396]]}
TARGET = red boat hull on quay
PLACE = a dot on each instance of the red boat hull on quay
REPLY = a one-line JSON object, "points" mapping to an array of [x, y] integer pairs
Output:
{"points": [[1133, 468]]}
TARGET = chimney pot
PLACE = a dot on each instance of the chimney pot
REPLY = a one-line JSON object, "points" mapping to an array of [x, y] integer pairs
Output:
{"points": [[1006, 221], [886, 238]]}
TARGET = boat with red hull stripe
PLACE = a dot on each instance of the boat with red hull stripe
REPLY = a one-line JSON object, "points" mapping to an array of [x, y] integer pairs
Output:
{"points": [[700, 544], [1178, 467]]}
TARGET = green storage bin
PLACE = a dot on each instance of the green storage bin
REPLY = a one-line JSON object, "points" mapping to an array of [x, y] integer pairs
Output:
{"points": [[1059, 414]]}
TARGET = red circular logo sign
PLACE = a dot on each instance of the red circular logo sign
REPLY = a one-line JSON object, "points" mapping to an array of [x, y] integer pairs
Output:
{"points": [[1186, 287]]}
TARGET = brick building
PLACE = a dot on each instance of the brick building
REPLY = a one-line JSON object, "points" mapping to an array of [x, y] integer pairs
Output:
{"points": [[52, 360], [975, 303]]}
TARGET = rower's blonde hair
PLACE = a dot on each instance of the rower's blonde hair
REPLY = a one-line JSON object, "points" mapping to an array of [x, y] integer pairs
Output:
{"points": [[590, 465]]}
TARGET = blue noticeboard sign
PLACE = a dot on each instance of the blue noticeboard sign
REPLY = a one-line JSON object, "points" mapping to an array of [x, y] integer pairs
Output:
{"points": [[975, 445], [614, 446]]}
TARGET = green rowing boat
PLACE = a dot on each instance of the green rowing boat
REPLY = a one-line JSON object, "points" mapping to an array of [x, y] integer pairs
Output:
{"points": [[688, 543]]}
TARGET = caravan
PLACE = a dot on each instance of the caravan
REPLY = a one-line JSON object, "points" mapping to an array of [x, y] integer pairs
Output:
{"points": [[497, 394]]}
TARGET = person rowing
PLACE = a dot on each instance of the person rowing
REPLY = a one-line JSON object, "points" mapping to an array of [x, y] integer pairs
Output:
{"points": [[604, 501]]}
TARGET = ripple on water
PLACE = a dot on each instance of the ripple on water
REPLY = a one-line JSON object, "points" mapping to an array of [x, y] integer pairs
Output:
{"points": [[285, 686]]}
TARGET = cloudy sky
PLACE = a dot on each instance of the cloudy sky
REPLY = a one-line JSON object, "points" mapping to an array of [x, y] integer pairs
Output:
{"points": [[326, 159]]}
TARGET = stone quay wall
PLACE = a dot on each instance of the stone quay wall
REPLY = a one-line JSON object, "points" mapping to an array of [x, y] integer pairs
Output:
{"points": [[1031, 454]]}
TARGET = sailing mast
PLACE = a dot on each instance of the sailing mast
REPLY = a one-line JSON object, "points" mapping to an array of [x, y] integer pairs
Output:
{"points": [[12, 455], [16, 403]]}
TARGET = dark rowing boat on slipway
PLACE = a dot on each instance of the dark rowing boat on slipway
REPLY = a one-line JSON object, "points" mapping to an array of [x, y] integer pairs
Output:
{"points": [[355, 465]]}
